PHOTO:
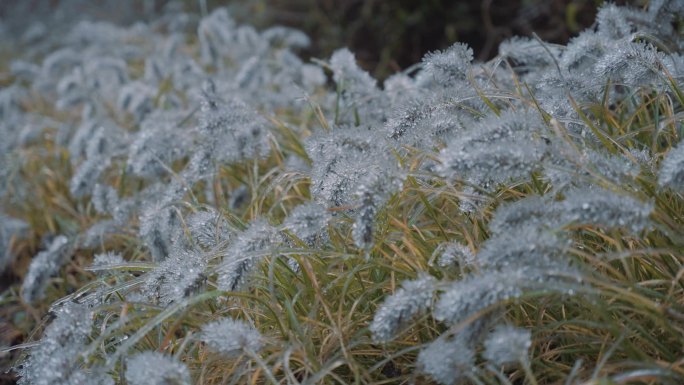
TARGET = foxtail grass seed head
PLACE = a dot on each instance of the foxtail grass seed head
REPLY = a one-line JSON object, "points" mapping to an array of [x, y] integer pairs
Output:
{"points": [[154, 368], [231, 337], [447, 360], [43, 266], [398, 309], [507, 344]]}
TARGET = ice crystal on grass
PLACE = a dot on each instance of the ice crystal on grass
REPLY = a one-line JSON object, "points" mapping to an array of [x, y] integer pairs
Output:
{"points": [[286, 37], [137, 99], [154, 368], [105, 199], [107, 259], [600, 207], [239, 198], [449, 66], [232, 129], [477, 293], [86, 176], [308, 221], [156, 146], [154, 149], [157, 225], [207, 229], [55, 359], [615, 22], [231, 337], [398, 309], [447, 360], [533, 210], [527, 55], [672, 169], [373, 192], [620, 169], [341, 159], [582, 52], [496, 150], [507, 344], [215, 32], [9, 228], [43, 266], [178, 276], [523, 246], [633, 64], [243, 254], [453, 253], [361, 98]]}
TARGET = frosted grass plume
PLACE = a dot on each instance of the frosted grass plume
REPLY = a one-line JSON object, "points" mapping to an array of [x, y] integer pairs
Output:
{"points": [[43, 266], [154, 368], [507, 344], [447, 360], [232, 337], [671, 172], [244, 253], [398, 309]]}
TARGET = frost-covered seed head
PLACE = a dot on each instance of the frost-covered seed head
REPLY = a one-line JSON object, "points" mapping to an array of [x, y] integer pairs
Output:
{"points": [[672, 169], [523, 246], [109, 258], [241, 257], [447, 360], [449, 66], [307, 221], [604, 208], [154, 368], [43, 266], [55, 359], [507, 344], [177, 277], [231, 337], [454, 253], [399, 308]]}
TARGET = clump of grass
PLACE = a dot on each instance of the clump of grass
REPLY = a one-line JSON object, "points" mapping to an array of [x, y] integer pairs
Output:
{"points": [[353, 234]]}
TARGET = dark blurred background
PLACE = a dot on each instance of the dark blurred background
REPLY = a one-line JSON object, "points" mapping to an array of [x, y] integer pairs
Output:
{"points": [[388, 35], [385, 35]]}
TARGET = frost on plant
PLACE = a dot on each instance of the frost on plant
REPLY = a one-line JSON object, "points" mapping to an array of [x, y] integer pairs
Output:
{"points": [[450, 66], [244, 253], [230, 129], [156, 228], [497, 150], [103, 260], [453, 254], [308, 221], [447, 360], [672, 169], [207, 229], [178, 276], [10, 228], [231, 337], [43, 266], [154, 368], [507, 344], [482, 292], [523, 246], [56, 358], [601, 207], [411, 299]]}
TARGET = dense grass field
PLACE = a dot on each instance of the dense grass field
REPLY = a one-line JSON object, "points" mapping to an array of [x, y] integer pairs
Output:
{"points": [[185, 200]]}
